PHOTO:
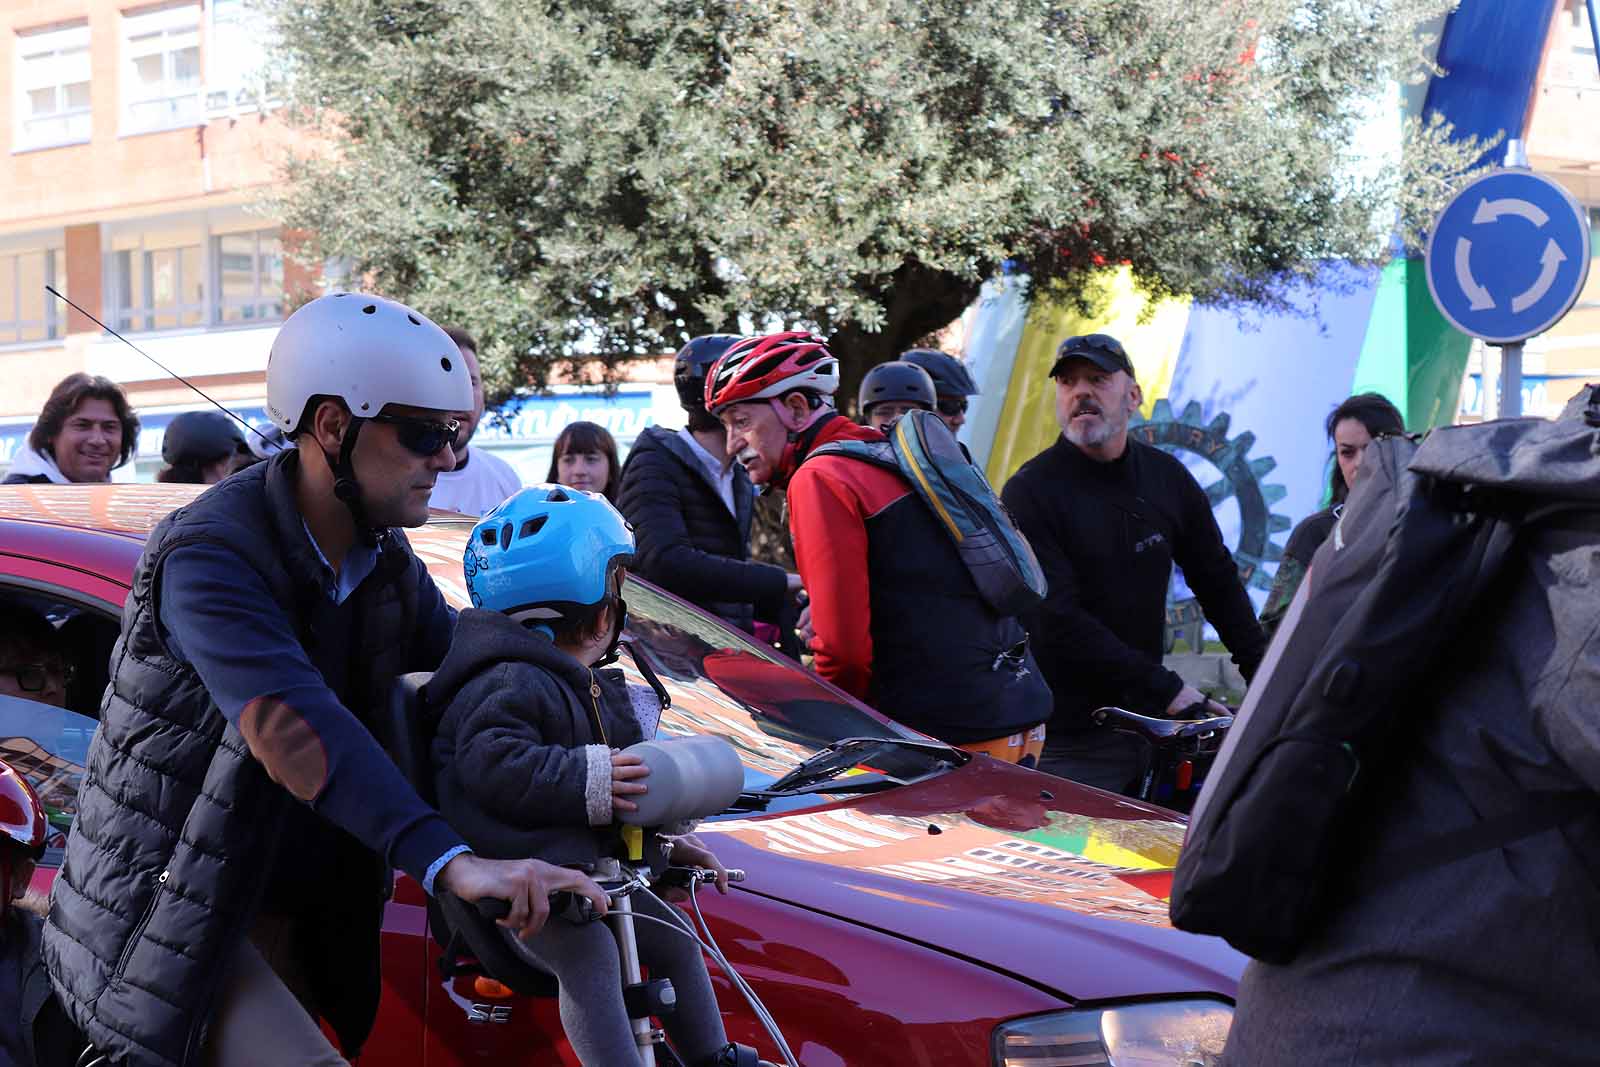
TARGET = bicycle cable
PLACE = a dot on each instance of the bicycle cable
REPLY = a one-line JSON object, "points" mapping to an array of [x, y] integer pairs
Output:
{"points": [[709, 944]]}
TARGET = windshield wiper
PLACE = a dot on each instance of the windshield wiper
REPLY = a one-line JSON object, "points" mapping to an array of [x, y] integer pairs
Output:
{"points": [[841, 756], [758, 799]]}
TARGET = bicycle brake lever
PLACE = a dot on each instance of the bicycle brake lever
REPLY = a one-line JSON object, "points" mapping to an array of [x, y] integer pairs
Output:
{"points": [[572, 907], [683, 877]]}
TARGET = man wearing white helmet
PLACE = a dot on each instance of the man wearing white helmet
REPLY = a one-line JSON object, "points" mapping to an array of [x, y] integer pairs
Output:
{"points": [[238, 824]]}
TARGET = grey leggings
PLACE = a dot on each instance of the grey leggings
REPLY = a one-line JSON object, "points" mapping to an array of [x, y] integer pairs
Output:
{"points": [[584, 960]]}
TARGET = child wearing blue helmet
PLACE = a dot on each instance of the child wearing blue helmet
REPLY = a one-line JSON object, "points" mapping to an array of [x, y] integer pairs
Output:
{"points": [[527, 758]]}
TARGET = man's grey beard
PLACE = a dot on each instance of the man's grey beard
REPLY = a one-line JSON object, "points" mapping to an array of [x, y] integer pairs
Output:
{"points": [[1086, 437]]}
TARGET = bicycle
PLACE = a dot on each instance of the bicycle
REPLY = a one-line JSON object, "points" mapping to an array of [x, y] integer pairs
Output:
{"points": [[1177, 752]]}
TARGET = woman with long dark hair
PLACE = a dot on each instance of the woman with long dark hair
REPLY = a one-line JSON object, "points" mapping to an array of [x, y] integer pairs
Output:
{"points": [[585, 457], [1351, 426]]}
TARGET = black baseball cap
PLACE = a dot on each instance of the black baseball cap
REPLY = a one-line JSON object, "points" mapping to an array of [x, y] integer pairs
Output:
{"points": [[1101, 349]]}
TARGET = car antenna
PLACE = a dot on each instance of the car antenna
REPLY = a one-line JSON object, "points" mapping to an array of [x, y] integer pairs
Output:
{"points": [[80, 309]]}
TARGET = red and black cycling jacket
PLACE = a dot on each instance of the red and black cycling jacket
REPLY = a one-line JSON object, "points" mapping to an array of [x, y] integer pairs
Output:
{"points": [[899, 622]]}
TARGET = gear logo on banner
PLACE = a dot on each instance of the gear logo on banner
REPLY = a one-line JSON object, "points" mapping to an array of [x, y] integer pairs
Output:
{"points": [[1238, 477]]}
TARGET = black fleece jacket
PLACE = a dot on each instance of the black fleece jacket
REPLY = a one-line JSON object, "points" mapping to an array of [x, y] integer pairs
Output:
{"points": [[521, 757], [1107, 535], [689, 543]]}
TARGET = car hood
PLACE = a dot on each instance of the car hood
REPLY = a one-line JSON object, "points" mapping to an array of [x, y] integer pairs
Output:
{"points": [[1057, 884]]}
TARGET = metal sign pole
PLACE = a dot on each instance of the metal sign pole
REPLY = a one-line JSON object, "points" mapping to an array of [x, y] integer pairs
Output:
{"points": [[1510, 405]]}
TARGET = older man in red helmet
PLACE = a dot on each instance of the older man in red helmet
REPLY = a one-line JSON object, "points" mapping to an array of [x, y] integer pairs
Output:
{"points": [[898, 621]]}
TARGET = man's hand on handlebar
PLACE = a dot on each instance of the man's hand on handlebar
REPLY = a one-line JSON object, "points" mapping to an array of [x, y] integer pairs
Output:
{"points": [[1190, 703], [525, 884]]}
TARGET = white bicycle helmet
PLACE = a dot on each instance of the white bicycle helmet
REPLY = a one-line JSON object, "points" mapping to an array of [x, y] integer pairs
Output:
{"points": [[368, 352]]}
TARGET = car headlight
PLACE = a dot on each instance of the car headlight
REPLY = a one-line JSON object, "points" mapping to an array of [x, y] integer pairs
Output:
{"points": [[1169, 1033]]}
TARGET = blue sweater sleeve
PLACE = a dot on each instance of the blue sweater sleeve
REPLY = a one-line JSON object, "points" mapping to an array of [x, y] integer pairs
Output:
{"points": [[221, 619]]}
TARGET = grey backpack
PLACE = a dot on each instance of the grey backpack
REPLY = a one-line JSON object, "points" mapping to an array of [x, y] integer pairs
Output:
{"points": [[1424, 537]]}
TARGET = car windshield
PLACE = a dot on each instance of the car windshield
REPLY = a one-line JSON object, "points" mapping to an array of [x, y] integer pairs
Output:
{"points": [[774, 713]]}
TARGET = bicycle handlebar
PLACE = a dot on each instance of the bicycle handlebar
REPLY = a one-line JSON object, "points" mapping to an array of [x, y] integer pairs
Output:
{"points": [[577, 908]]}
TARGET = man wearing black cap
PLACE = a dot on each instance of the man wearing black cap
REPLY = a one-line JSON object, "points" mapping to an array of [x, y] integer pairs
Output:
{"points": [[1108, 516]]}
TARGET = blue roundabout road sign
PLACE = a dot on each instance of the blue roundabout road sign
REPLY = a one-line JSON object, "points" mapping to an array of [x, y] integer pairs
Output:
{"points": [[1508, 256]]}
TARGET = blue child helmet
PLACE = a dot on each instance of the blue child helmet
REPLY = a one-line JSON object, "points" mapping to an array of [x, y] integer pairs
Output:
{"points": [[545, 552]]}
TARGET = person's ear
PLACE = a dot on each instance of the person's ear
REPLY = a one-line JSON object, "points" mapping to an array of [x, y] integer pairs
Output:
{"points": [[602, 625], [1135, 397], [796, 407], [328, 424]]}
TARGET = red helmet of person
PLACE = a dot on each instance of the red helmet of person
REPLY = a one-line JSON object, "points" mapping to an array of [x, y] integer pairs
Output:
{"points": [[21, 815], [23, 824], [768, 365]]}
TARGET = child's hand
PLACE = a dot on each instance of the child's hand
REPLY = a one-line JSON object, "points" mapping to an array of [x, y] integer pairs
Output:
{"points": [[626, 769], [689, 851]]}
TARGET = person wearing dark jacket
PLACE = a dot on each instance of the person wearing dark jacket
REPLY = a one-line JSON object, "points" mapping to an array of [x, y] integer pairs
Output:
{"points": [[1351, 427], [691, 507], [528, 754], [1460, 924], [238, 824], [898, 619], [1108, 516]]}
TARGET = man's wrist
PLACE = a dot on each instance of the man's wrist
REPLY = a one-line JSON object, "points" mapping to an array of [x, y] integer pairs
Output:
{"points": [[437, 866]]}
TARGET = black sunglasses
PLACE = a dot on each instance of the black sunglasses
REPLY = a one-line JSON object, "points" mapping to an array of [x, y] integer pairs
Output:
{"points": [[425, 437], [1093, 342], [32, 677], [952, 405]]}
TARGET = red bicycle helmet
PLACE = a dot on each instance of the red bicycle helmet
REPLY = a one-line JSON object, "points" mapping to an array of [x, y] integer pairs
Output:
{"points": [[23, 824], [21, 815], [768, 365]]}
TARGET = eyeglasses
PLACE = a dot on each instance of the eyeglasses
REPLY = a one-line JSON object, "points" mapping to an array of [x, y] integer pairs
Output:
{"points": [[952, 405], [1093, 342], [33, 677], [425, 437]]}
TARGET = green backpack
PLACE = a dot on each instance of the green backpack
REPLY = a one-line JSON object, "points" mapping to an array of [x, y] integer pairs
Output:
{"points": [[923, 451]]}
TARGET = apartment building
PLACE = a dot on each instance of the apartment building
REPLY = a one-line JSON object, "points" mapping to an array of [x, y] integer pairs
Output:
{"points": [[136, 141], [136, 144]]}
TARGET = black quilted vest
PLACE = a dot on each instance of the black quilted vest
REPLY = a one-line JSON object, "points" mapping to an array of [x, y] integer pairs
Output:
{"points": [[178, 825]]}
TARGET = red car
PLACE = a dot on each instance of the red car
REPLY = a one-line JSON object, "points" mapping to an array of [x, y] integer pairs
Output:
{"points": [[965, 913]]}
